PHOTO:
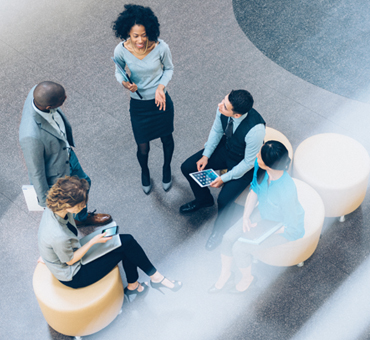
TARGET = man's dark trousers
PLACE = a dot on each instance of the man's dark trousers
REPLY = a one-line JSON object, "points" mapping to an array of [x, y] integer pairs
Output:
{"points": [[230, 191]]}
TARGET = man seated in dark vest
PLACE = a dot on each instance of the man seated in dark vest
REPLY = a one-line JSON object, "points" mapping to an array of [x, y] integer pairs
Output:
{"points": [[236, 137]]}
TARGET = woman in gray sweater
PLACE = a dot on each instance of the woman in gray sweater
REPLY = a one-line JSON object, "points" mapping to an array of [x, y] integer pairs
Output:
{"points": [[150, 63], [62, 252]]}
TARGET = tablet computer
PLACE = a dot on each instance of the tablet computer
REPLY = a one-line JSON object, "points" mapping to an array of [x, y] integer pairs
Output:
{"points": [[205, 177], [260, 232], [100, 249]]}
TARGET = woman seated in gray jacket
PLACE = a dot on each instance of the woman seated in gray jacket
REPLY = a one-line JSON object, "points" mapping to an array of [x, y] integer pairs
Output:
{"points": [[62, 252]]}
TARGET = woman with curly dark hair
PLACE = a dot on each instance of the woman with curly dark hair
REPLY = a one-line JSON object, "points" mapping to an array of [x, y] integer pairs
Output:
{"points": [[61, 250], [150, 63]]}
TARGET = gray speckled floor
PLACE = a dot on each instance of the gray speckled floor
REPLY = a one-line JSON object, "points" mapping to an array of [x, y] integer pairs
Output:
{"points": [[71, 42]]}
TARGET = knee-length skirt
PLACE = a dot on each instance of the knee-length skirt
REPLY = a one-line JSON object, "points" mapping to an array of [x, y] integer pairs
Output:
{"points": [[148, 122]]}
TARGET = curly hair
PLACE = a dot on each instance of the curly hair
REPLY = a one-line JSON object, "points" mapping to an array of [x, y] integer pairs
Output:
{"points": [[66, 193], [136, 15]]}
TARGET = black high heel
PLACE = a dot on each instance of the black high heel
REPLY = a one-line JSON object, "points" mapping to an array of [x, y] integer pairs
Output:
{"points": [[136, 292], [166, 178], [158, 285], [228, 283]]}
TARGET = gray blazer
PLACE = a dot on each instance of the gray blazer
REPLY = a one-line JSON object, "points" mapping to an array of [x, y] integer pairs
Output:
{"points": [[44, 151]]}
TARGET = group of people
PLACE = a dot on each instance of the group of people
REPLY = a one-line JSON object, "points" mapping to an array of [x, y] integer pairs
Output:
{"points": [[235, 143]]}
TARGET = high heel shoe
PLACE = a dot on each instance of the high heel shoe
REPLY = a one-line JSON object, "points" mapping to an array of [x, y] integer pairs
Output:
{"points": [[252, 285], [167, 186], [166, 179], [136, 292], [228, 283], [158, 285], [145, 179]]}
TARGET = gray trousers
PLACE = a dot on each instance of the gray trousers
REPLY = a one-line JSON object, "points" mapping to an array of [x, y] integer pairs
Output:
{"points": [[243, 252]]}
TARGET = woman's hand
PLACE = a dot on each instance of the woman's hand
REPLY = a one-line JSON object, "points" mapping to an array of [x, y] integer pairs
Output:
{"points": [[160, 97], [247, 225], [131, 87], [80, 252], [100, 239]]}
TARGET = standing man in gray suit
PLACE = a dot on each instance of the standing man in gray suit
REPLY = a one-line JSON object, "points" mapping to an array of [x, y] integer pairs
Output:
{"points": [[46, 139]]}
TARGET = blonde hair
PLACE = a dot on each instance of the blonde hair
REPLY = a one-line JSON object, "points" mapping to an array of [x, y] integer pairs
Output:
{"points": [[66, 193]]}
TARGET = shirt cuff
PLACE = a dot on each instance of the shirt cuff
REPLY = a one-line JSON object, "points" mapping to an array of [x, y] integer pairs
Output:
{"points": [[226, 177], [207, 153]]}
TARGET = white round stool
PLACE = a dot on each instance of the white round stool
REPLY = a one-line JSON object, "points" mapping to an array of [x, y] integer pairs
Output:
{"points": [[296, 252], [337, 167]]}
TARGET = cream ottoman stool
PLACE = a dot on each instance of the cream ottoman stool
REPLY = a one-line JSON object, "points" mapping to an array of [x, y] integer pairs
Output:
{"points": [[78, 312], [271, 134], [337, 167], [296, 252]]}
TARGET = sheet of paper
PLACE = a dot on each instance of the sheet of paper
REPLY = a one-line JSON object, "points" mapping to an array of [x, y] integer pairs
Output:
{"points": [[31, 198]]}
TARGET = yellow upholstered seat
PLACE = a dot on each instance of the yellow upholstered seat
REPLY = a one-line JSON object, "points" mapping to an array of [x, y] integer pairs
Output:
{"points": [[78, 312]]}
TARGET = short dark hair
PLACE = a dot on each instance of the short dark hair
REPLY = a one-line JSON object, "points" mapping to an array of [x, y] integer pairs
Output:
{"points": [[241, 100], [275, 155], [48, 93], [136, 15]]}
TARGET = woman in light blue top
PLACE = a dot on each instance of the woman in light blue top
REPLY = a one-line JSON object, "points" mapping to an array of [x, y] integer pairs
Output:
{"points": [[149, 61], [276, 194]]}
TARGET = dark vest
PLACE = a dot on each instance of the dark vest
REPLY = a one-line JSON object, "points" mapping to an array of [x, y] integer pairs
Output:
{"points": [[236, 145]]}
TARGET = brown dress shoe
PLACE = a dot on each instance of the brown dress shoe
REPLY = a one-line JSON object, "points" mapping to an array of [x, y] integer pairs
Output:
{"points": [[94, 219]]}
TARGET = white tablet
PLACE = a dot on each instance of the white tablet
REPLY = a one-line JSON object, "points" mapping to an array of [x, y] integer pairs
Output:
{"points": [[205, 177], [263, 230]]}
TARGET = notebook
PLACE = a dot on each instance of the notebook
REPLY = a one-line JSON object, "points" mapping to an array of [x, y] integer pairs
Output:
{"points": [[260, 232], [100, 249], [31, 198], [205, 177]]}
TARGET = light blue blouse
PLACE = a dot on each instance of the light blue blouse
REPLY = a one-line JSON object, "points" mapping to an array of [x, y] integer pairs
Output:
{"points": [[278, 201], [155, 69]]}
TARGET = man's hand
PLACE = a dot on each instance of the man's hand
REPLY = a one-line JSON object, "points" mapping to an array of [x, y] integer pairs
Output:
{"points": [[217, 183], [40, 260], [201, 164], [247, 225]]}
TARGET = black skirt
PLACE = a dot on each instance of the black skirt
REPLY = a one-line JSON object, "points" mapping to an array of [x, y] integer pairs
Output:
{"points": [[148, 122]]}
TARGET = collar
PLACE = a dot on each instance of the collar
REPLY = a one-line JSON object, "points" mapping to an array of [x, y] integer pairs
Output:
{"points": [[61, 220], [38, 110], [237, 120], [240, 119]]}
